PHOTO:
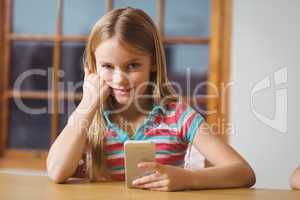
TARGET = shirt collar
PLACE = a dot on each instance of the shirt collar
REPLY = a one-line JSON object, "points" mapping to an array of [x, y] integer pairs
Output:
{"points": [[155, 109]]}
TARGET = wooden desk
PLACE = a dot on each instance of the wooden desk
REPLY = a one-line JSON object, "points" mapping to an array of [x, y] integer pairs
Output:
{"points": [[40, 187]]}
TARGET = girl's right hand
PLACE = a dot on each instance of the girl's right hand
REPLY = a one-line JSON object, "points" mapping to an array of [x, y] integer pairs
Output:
{"points": [[95, 89]]}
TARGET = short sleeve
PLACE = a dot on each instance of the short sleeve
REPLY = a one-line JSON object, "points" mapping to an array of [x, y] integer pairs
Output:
{"points": [[188, 122]]}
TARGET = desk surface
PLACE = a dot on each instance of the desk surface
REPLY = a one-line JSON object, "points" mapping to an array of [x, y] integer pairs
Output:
{"points": [[40, 187]]}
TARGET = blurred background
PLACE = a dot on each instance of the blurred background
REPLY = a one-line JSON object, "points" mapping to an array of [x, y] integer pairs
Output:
{"points": [[241, 52]]}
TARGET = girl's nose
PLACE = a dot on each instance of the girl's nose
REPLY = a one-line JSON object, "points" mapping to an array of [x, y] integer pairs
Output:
{"points": [[120, 78]]}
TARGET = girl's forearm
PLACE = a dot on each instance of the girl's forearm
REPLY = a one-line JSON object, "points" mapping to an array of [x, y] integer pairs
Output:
{"points": [[66, 152], [230, 176]]}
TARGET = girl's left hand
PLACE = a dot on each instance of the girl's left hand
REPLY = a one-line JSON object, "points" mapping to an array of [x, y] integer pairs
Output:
{"points": [[164, 178]]}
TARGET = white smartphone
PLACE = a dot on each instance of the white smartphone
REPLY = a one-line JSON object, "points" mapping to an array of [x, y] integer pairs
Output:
{"points": [[136, 152]]}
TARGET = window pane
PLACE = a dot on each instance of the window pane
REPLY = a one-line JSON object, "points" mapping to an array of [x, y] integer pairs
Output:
{"points": [[72, 66], [187, 18], [79, 16], [188, 65], [31, 65], [66, 108], [149, 6], [29, 124], [34, 16]]}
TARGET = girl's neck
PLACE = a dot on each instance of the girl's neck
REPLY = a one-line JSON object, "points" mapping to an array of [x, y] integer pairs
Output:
{"points": [[133, 111]]}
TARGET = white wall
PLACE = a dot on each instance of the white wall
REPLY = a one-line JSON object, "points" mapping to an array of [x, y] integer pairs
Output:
{"points": [[265, 38]]}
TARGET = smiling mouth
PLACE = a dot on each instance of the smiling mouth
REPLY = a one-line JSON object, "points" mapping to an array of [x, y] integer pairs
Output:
{"points": [[121, 91]]}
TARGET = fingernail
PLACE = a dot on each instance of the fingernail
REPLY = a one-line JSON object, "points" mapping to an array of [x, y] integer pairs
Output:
{"points": [[134, 182], [140, 165]]}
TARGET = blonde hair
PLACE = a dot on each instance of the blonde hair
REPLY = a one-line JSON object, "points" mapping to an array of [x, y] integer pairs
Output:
{"points": [[134, 27]]}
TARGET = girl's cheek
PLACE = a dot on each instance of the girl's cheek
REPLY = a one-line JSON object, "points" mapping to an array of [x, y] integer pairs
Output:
{"points": [[140, 85], [135, 81], [105, 74], [138, 77]]}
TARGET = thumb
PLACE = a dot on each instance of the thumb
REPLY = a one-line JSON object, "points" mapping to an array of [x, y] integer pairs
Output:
{"points": [[149, 165], [86, 72]]}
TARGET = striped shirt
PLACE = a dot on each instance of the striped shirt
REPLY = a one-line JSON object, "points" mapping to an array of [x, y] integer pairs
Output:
{"points": [[171, 127]]}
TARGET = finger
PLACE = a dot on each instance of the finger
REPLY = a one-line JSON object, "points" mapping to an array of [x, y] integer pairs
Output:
{"points": [[98, 69], [86, 72], [149, 178], [102, 82], [152, 166], [149, 165], [94, 77], [155, 185]]}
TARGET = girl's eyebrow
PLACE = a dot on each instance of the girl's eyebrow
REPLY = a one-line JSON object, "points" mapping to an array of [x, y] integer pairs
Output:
{"points": [[128, 61]]}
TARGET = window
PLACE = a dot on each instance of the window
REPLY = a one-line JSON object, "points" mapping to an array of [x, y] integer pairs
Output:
{"points": [[195, 34]]}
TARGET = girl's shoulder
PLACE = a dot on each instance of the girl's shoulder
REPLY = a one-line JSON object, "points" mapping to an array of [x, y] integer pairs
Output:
{"points": [[177, 106], [179, 110], [184, 117]]}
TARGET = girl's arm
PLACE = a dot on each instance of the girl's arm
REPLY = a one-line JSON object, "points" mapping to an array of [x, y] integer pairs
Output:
{"points": [[295, 179], [67, 150], [229, 168]]}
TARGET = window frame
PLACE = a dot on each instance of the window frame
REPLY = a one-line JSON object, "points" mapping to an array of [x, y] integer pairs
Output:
{"points": [[218, 70]]}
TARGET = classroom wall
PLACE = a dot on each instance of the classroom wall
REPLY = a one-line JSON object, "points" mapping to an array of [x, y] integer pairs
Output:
{"points": [[265, 62]]}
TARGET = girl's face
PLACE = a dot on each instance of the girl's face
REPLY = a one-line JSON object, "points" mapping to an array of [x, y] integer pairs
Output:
{"points": [[126, 71]]}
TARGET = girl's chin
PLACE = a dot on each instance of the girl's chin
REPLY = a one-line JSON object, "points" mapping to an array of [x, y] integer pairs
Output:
{"points": [[122, 97], [122, 100]]}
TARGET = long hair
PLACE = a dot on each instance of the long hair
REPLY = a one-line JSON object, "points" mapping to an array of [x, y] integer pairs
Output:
{"points": [[134, 28]]}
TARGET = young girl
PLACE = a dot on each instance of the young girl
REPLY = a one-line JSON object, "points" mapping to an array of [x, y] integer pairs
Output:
{"points": [[127, 96]]}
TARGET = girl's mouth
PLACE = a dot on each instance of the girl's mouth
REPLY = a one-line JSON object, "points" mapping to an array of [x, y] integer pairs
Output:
{"points": [[123, 92]]}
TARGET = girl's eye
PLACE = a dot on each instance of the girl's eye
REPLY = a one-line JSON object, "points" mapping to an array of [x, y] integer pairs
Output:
{"points": [[106, 66], [133, 66]]}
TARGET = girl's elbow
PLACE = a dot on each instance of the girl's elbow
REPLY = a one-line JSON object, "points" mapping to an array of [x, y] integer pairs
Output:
{"points": [[249, 177], [55, 174], [251, 180], [295, 180], [56, 177]]}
